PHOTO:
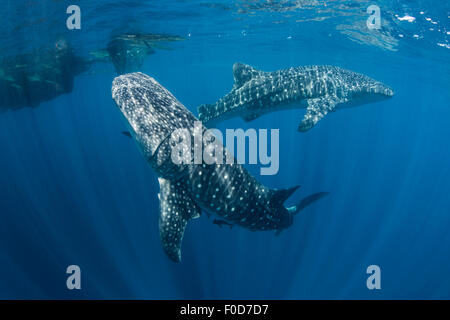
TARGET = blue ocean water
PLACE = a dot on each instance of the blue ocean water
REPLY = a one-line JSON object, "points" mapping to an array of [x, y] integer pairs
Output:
{"points": [[74, 190]]}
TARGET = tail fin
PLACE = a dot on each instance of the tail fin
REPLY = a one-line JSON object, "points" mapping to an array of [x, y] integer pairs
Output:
{"points": [[306, 202]]}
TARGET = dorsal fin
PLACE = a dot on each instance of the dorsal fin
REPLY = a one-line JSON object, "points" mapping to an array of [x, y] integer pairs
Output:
{"points": [[280, 196], [243, 73]]}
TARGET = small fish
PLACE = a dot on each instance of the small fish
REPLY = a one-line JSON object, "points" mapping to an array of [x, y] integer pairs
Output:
{"points": [[220, 223], [8, 78], [50, 82]]}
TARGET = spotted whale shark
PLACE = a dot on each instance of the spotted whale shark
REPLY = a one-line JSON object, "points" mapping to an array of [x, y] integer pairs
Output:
{"points": [[187, 190], [319, 89]]}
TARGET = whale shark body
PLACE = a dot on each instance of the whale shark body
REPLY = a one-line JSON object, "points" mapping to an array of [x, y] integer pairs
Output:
{"points": [[319, 89], [186, 190]]}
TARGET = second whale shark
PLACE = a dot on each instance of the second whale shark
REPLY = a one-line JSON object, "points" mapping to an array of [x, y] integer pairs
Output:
{"points": [[319, 89]]}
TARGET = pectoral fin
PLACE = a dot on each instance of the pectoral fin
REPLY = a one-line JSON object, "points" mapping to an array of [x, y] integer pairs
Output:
{"points": [[316, 110], [176, 208]]}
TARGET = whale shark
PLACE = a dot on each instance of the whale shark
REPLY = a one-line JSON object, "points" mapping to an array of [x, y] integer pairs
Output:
{"points": [[188, 189], [319, 89]]}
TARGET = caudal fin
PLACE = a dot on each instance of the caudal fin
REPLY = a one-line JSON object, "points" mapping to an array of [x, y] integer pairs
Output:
{"points": [[306, 202]]}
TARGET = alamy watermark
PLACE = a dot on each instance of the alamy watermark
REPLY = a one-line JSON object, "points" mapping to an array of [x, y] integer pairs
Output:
{"points": [[206, 147], [374, 20]]}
